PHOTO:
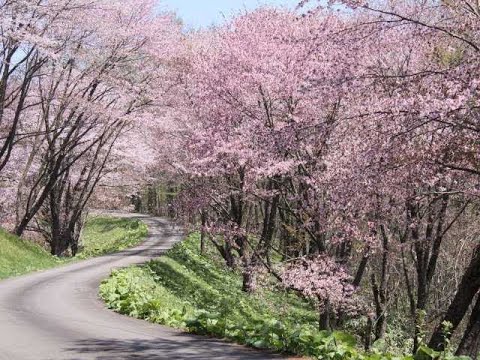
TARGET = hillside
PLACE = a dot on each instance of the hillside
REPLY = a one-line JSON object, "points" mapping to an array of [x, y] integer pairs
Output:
{"points": [[18, 256], [102, 235]]}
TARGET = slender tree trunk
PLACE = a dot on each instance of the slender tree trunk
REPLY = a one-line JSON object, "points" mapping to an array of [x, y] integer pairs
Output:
{"points": [[248, 276], [268, 230], [470, 344], [324, 320], [468, 288], [367, 341], [361, 269], [203, 217], [380, 309], [229, 257]]}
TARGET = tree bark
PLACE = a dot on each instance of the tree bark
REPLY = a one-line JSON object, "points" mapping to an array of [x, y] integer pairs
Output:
{"points": [[468, 288], [470, 344], [324, 320], [203, 217]]}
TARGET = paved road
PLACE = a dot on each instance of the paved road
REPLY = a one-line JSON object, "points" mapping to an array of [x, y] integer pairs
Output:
{"points": [[56, 314]]}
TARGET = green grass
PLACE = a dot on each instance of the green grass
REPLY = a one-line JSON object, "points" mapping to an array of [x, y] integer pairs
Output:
{"points": [[186, 290], [194, 292], [101, 235], [104, 235], [184, 280], [19, 256]]}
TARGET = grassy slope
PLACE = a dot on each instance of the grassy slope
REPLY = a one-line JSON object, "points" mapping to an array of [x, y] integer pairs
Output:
{"points": [[19, 257], [102, 235], [186, 290], [189, 291]]}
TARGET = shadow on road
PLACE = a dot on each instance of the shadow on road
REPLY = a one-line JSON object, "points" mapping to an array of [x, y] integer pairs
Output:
{"points": [[110, 349]]}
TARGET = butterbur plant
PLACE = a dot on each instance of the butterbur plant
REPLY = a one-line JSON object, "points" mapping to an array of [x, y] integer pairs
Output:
{"points": [[420, 327]]}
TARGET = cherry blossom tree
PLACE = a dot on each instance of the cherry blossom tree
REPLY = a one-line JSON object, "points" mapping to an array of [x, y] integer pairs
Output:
{"points": [[432, 107], [349, 135], [344, 143], [326, 281], [258, 117], [102, 66]]}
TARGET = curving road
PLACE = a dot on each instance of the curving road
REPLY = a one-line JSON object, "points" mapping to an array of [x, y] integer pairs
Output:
{"points": [[56, 314]]}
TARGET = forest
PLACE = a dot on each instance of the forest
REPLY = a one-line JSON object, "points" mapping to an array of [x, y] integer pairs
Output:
{"points": [[332, 151]]}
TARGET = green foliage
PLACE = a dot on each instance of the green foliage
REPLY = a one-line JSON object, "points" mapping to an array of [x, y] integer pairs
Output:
{"points": [[101, 235], [420, 326], [186, 290], [19, 256], [104, 235], [398, 337], [134, 292], [424, 353]]}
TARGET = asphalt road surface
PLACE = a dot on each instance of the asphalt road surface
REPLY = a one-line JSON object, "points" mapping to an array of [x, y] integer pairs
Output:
{"points": [[56, 314]]}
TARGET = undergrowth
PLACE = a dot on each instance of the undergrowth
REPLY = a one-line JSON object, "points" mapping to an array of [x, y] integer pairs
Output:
{"points": [[194, 292]]}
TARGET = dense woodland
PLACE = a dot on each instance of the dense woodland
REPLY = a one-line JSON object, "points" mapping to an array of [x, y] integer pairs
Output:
{"points": [[335, 148]]}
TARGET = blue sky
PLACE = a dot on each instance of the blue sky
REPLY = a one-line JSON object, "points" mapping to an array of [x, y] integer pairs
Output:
{"points": [[202, 13]]}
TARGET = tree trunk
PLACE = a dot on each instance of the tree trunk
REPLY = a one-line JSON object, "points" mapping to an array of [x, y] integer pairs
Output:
{"points": [[268, 229], [470, 344], [380, 309], [324, 320], [229, 257], [468, 288], [203, 216], [248, 277], [367, 341]]}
